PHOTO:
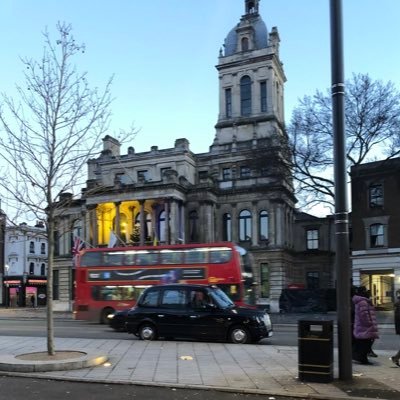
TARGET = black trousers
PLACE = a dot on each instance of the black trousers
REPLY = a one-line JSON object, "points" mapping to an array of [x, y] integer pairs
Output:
{"points": [[361, 348]]}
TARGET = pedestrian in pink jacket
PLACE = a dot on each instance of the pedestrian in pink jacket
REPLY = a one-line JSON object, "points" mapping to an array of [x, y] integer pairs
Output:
{"points": [[365, 326]]}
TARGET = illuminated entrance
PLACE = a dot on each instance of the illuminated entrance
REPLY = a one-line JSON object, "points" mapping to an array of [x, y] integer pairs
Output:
{"points": [[381, 285]]}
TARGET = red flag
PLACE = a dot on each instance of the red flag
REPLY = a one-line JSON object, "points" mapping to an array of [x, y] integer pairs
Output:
{"points": [[78, 245]]}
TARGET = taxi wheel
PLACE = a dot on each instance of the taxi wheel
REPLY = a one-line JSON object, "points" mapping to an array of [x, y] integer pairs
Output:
{"points": [[239, 334], [147, 331]]}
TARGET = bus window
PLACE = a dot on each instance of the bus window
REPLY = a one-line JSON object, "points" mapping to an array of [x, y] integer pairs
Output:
{"points": [[171, 257], [220, 256], [146, 258], [195, 256], [113, 258], [91, 259], [120, 293]]}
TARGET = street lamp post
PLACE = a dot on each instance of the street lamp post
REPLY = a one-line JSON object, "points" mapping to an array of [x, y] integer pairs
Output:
{"points": [[343, 276]]}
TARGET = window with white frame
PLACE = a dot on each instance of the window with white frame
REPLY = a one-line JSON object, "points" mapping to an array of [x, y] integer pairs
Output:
{"points": [[226, 174], [375, 195], [312, 239], [377, 235]]}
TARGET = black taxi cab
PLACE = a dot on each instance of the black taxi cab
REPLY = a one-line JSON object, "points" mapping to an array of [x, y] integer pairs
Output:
{"points": [[196, 312]]}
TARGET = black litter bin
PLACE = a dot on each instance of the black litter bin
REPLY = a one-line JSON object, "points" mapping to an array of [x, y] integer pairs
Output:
{"points": [[315, 351]]}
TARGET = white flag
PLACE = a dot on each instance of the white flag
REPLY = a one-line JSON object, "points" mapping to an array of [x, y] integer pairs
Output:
{"points": [[113, 239]]}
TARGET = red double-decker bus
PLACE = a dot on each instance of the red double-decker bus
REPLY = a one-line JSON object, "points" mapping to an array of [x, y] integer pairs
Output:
{"points": [[111, 279]]}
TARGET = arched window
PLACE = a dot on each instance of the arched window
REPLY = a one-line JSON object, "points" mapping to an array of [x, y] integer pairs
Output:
{"points": [[263, 225], [245, 225], [31, 268], [43, 269], [32, 247], [227, 227], [376, 235], [193, 221], [245, 44], [245, 96], [43, 248]]}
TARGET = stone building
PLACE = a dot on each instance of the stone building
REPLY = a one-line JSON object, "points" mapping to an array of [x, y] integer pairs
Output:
{"points": [[241, 190]]}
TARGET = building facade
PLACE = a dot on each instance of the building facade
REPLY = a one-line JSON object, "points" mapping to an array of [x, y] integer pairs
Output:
{"points": [[24, 277], [375, 229], [241, 190]]}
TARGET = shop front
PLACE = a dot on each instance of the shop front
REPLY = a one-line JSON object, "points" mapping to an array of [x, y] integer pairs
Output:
{"points": [[24, 291]]}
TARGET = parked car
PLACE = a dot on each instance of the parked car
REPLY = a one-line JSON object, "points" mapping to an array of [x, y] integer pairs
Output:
{"points": [[117, 320], [197, 312]]}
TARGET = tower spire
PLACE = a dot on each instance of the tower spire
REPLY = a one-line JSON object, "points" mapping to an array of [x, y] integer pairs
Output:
{"points": [[251, 6]]}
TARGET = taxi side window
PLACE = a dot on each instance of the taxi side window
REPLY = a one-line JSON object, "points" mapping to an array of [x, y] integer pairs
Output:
{"points": [[199, 299], [173, 298], [150, 299]]}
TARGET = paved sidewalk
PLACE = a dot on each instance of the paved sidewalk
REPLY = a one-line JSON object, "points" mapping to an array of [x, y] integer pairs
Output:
{"points": [[261, 368]]}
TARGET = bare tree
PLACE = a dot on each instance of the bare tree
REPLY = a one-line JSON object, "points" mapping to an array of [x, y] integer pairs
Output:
{"points": [[50, 134], [372, 132]]}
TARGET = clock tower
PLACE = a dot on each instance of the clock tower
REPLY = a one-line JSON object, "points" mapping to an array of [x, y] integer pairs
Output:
{"points": [[251, 82]]}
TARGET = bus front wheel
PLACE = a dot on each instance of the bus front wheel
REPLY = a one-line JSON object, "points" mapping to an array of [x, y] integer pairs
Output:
{"points": [[104, 314], [147, 331]]}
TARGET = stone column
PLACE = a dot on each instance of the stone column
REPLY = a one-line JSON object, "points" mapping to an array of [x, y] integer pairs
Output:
{"points": [[94, 234], [131, 222], [280, 226], [235, 224], [182, 227], [142, 223], [174, 221], [154, 233], [272, 222], [166, 209], [117, 220], [254, 224]]}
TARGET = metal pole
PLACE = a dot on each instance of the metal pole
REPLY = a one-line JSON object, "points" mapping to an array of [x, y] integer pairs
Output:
{"points": [[343, 276]]}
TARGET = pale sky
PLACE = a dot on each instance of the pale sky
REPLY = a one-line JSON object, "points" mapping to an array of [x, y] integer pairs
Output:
{"points": [[163, 53]]}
